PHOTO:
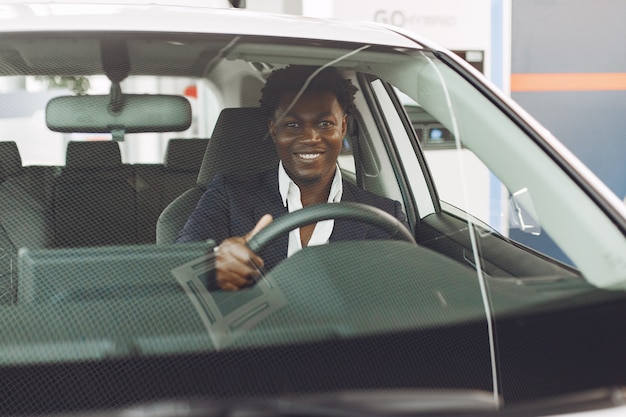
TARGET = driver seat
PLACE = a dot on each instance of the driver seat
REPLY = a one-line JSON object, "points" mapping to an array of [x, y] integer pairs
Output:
{"points": [[240, 143]]}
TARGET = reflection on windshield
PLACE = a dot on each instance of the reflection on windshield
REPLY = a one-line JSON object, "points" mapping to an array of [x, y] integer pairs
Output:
{"points": [[226, 314]]}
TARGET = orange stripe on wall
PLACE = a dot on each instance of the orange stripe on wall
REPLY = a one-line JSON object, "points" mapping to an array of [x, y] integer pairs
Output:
{"points": [[602, 81]]}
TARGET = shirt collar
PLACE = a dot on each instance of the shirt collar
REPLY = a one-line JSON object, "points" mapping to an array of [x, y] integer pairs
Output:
{"points": [[287, 186]]}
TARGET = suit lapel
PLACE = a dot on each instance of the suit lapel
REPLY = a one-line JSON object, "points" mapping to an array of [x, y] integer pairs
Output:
{"points": [[276, 250], [346, 229], [273, 205]]}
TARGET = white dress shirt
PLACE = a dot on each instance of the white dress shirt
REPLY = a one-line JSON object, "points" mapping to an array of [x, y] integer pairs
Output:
{"points": [[290, 194]]}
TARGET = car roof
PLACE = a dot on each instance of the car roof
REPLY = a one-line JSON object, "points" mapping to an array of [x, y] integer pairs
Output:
{"points": [[121, 17]]}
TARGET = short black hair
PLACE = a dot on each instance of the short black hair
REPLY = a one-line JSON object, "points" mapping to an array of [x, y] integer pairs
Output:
{"points": [[294, 77]]}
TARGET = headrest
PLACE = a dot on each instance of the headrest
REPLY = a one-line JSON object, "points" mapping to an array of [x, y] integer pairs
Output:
{"points": [[10, 160], [185, 154], [99, 154], [240, 143]]}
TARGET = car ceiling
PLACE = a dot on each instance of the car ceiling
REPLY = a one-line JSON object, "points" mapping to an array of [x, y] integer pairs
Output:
{"points": [[83, 55], [163, 54]]}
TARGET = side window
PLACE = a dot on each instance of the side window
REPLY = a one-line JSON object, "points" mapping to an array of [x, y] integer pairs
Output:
{"points": [[464, 183], [455, 169], [346, 160], [405, 149]]}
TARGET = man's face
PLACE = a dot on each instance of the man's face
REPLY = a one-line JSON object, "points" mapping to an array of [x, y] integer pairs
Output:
{"points": [[309, 135]]}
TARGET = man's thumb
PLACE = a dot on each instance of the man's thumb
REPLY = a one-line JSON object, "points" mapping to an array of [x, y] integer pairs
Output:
{"points": [[263, 221]]}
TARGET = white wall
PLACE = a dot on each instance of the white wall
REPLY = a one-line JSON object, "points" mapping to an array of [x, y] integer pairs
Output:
{"points": [[276, 6], [454, 24]]}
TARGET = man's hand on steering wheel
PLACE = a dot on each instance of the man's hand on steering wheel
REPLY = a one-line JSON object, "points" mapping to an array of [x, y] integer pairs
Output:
{"points": [[236, 265]]}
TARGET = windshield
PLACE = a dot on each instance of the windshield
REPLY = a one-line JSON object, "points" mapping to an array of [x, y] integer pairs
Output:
{"points": [[484, 232]]}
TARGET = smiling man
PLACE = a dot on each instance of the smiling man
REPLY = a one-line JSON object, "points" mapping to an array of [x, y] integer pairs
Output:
{"points": [[307, 110]]}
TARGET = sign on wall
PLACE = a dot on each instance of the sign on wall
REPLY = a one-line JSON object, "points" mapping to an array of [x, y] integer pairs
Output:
{"points": [[460, 25]]}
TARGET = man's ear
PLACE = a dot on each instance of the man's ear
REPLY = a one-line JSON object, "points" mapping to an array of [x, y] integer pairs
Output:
{"points": [[271, 127], [344, 125]]}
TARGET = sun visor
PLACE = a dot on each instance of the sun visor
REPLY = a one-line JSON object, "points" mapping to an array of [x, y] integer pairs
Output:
{"points": [[134, 113]]}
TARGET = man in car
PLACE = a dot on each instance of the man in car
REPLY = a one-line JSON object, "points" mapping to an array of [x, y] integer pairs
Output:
{"points": [[307, 110]]}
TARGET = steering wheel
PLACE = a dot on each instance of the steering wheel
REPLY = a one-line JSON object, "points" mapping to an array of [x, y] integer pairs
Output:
{"points": [[318, 212]]}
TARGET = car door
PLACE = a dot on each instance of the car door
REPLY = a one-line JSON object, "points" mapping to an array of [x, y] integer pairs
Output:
{"points": [[485, 189]]}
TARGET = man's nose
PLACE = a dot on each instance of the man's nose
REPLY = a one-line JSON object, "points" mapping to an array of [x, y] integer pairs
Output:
{"points": [[310, 133]]}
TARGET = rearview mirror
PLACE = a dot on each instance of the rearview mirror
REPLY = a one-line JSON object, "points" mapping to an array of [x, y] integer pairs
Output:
{"points": [[138, 113]]}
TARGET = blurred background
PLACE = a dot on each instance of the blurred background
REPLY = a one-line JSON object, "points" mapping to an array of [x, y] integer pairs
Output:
{"points": [[564, 61]]}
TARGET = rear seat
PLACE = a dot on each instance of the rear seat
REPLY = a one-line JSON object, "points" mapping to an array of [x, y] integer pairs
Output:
{"points": [[10, 161], [94, 198], [158, 185], [25, 212], [25, 199], [182, 163]]}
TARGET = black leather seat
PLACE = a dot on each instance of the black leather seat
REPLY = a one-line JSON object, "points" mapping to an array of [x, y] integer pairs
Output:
{"points": [[240, 143], [183, 159], [10, 167], [25, 213], [158, 185], [25, 202], [10, 160], [94, 198]]}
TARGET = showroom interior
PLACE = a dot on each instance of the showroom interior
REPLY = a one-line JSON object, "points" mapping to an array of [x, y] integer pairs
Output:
{"points": [[562, 60]]}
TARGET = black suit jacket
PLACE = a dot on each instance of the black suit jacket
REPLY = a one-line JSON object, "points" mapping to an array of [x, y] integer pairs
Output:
{"points": [[233, 204]]}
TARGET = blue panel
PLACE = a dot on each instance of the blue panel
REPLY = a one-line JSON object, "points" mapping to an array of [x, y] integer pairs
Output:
{"points": [[568, 36]]}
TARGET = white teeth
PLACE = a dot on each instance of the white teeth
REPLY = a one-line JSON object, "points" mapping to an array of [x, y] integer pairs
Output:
{"points": [[308, 155]]}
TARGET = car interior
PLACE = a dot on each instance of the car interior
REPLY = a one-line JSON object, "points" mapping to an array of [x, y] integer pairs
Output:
{"points": [[96, 199]]}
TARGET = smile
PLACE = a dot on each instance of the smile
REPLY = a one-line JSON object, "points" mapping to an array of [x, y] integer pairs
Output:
{"points": [[308, 156]]}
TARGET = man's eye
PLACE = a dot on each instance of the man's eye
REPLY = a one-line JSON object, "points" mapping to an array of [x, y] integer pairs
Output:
{"points": [[326, 124], [292, 125]]}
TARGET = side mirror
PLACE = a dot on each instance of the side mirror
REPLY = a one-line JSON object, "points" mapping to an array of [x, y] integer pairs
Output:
{"points": [[522, 213]]}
